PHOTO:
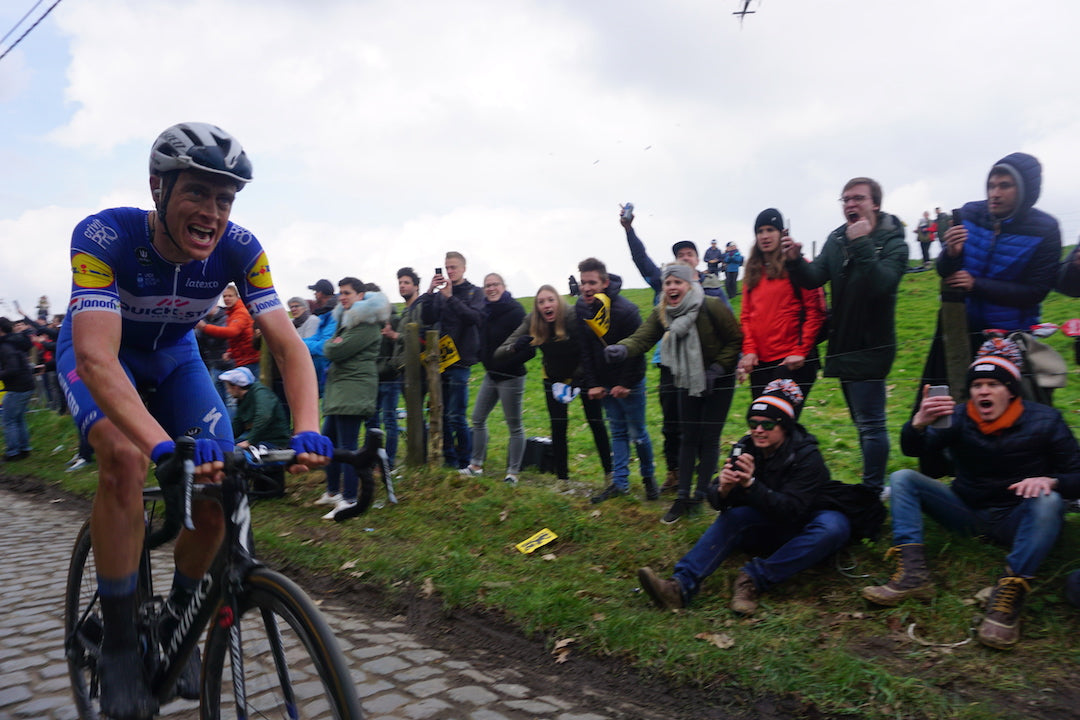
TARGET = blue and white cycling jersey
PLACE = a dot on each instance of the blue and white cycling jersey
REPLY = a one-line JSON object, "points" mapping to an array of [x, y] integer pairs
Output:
{"points": [[115, 268]]}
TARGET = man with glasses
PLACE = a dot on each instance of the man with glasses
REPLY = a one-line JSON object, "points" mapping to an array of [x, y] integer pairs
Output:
{"points": [[776, 501], [863, 260]]}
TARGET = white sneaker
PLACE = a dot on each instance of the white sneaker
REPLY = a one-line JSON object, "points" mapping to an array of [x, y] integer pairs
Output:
{"points": [[886, 493], [510, 479], [328, 499], [79, 463], [470, 471], [341, 510]]}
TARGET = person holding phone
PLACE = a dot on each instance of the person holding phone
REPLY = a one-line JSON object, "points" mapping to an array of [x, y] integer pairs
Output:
{"points": [[456, 307], [780, 321], [777, 502], [1014, 461], [863, 261]]}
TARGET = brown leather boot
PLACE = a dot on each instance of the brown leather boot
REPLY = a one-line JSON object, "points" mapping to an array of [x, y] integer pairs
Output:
{"points": [[1000, 627], [667, 594], [744, 594], [911, 579]]}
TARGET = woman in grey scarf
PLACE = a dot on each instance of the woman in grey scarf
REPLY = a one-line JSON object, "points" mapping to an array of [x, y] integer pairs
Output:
{"points": [[699, 342]]}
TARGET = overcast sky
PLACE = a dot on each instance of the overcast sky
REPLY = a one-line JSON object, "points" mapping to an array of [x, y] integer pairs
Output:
{"points": [[385, 133]]}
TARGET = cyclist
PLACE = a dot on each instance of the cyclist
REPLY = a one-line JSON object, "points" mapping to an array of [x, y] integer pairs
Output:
{"points": [[132, 373]]}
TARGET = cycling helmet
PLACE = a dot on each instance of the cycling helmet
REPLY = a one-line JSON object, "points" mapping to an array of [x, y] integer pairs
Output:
{"points": [[200, 146]]}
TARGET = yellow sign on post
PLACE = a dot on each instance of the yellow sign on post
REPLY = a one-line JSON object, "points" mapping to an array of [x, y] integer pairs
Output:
{"points": [[538, 540], [448, 353]]}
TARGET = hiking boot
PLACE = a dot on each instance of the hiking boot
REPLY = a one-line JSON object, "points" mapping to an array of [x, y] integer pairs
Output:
{"points": [[678, 510], [671, 482], [329, 499], [667, 594], [651, 491], [125, 689], [609, 492], [744, 594], [1000, 627], [911, 579]]}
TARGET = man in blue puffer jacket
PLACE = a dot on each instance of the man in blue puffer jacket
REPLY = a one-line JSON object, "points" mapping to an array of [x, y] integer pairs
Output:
{"points": [[1003, 252]]}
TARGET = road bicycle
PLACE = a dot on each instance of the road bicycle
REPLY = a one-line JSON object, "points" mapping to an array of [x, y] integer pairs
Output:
{"points": [[268, 652]]}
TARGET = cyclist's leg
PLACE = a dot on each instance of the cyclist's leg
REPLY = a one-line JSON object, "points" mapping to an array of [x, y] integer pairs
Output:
{"points": [[186, 401], [116, 529]]}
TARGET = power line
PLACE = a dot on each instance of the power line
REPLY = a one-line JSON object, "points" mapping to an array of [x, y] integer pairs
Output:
{"points": [[21, 21], [29, 29]]}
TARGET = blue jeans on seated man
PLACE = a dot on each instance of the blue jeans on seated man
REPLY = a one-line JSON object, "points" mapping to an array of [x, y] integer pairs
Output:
{"points": [[1030, 527], [789, 549], [626, 416], [457, 438]]}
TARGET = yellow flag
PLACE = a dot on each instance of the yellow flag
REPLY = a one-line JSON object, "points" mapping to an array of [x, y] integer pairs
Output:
{"points": [[448, 353], [601, 321]]}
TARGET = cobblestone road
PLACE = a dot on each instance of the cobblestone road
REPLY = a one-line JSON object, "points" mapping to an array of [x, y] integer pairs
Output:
{"points": [[397, 677]]}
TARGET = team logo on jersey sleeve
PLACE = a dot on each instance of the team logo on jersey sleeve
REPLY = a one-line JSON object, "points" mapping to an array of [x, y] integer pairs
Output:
{"points": [[259, 275], [90, 272]]}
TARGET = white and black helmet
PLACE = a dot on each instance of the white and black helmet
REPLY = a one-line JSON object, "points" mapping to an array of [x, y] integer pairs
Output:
{"points": [[200, 146]]}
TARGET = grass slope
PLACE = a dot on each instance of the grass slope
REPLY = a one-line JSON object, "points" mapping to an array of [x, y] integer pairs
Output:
{"points": [[814, 639]]}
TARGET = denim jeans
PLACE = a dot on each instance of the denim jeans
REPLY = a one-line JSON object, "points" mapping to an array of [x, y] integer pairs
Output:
{"points": [[790, 549], [16, 433], [866, 404], [626, 416], [386, 415], [457, 440], [1031, 527], [594, 415], [344, 430], [507, 391]]}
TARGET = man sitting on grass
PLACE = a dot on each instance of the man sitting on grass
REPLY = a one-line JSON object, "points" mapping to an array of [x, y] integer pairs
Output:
{"points": [[776, 498], [1014, 460]]}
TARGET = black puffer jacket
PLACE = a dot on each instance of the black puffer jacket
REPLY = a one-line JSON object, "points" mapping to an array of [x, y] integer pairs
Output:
{"points": [[1039, 444]]}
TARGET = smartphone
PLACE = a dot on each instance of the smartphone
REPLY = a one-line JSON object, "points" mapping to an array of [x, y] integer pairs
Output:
{"points": [[940, 391], [438, 271]]}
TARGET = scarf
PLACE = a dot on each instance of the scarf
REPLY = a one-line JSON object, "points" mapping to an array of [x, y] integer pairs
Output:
{"points": [[1003, 422], [680, 348]]}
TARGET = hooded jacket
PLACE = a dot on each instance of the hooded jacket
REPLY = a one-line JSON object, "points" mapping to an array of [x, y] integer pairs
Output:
{"points": [[501, 318], [625, 319], [238, 330], [352, 380], [1014, 260], [864, 274]]}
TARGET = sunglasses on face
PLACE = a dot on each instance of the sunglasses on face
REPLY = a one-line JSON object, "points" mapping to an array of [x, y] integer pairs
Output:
{"points": [[763, 424]]}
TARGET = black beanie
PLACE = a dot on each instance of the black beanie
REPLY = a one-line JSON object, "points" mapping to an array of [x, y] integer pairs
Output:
{"points": [[769, 216]]}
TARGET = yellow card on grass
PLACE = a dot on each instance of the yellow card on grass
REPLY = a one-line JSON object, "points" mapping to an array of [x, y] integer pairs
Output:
{"points": [[538, 540]]}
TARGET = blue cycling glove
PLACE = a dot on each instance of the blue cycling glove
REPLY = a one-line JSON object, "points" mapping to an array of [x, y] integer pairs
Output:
{"points": [[312, 442], [206, 450]]}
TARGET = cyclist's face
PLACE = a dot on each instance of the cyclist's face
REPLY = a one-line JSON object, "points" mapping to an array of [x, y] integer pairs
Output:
{"points": [[197, 215]]}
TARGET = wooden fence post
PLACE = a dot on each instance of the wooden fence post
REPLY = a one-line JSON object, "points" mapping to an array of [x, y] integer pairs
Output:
{"points": [[435, 401]]}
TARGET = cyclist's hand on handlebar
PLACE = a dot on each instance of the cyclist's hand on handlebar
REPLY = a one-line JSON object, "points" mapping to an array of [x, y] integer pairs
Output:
{"points": [[312, 450], [209, 461]]}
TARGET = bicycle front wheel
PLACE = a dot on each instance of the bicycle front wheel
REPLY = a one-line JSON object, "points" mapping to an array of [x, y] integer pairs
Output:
{"points": [[82, 627], [286, 655]]}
